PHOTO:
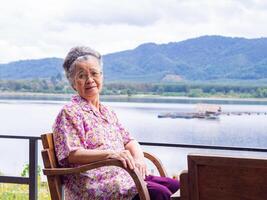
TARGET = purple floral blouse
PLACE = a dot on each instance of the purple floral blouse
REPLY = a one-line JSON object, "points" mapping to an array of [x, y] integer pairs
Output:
{"points": [[80, 126]]}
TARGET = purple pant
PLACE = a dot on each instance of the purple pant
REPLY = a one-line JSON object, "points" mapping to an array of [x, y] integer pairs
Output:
{"points": [[160, 188]]}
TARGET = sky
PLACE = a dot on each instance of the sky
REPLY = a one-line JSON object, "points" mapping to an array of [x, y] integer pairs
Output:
{"points": [[32, 29]]}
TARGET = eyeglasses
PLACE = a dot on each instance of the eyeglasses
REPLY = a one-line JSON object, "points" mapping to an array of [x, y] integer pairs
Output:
{"points": [[93, 74]]}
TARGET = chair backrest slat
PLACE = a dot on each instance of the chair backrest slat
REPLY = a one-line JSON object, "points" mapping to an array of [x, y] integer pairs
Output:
{"points": [[50, 161]]}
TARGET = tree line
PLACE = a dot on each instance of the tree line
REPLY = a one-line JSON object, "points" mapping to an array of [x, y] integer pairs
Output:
{"points": [[58, 84]]}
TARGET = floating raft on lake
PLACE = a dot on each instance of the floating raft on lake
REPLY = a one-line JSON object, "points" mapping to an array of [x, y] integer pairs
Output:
{"points": [[206, 111], [206, 115], [188, 115]]}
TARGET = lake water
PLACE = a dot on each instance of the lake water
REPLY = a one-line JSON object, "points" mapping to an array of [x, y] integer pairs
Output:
{"points": [[32, 118]]}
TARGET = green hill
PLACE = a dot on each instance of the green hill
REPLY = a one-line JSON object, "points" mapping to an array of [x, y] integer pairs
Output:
{"points": [[204, 58]]}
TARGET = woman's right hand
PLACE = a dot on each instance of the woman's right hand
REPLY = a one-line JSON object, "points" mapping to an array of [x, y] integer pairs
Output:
{"points": [[125, 157]]}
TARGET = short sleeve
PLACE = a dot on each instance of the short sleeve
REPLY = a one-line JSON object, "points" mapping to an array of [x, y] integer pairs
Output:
{"points": [[68, 134], [126, 137]]}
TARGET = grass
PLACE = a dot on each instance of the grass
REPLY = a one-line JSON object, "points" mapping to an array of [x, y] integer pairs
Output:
{"points": [[21, 192]]}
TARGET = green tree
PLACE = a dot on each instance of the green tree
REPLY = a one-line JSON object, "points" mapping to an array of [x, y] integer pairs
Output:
{"points": [[26, 168], [261, 92], [129, 92], [160, 89], [195, 92]]}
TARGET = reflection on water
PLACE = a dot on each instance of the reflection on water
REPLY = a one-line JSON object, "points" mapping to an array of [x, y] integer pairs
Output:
{"points": [[31, 118]]}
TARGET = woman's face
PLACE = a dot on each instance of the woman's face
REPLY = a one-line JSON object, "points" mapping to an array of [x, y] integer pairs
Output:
{"points": [[88, 79]]}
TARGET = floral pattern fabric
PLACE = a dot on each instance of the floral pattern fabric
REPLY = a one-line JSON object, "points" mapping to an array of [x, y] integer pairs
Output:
{"points": [[80, 126]]}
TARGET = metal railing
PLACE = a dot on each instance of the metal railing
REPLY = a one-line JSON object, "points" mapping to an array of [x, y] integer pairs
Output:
{"points": [[33, 159], [33, 166]]}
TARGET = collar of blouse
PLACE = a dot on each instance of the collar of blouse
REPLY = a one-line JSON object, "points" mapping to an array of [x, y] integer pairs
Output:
{"points": [[104, 114]]}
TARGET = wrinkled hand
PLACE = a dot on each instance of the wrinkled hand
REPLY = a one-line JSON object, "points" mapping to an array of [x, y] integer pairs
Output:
{"points": [[125, 157], [141, 167]]}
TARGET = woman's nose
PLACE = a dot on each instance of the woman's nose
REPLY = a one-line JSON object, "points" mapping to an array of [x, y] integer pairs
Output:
{"points": [[90, 79]]}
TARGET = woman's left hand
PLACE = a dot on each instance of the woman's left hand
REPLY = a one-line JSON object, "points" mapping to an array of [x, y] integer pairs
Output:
{"points": [[141, 167]]}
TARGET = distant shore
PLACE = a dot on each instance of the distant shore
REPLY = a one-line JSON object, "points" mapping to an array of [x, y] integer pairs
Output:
{"points": [[34, 96], [133, 98]]}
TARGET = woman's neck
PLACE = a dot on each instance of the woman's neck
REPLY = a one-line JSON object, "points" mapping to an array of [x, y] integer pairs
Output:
{"points": [[95, 102]]}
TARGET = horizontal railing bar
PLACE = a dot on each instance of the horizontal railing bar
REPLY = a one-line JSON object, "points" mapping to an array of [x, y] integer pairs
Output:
{"points": [[163, 144], [204, 147], [14, 179], [19, 137]]}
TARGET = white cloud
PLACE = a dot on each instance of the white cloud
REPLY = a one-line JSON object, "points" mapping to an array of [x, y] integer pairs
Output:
{"points": [[139, 13], [35, 28]]}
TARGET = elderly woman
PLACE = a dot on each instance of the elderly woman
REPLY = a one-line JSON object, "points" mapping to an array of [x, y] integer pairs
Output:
{"points": [[86, 131]]}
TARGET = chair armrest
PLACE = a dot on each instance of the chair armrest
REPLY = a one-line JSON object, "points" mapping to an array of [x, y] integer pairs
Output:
{"points": [[156, 161], [136, 176], [184, 185], [81, 168]]}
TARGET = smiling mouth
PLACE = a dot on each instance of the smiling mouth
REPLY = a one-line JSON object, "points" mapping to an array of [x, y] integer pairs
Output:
{"points": [[88, 88]]}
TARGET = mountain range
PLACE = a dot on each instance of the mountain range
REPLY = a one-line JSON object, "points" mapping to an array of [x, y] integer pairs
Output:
{"points": [[203, 58]]}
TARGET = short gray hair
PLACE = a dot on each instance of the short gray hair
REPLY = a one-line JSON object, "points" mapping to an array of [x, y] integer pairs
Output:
{"points": [[80, 54]]}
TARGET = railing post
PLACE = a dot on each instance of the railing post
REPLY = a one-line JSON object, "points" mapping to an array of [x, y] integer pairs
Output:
{"points": [[33, 168]]}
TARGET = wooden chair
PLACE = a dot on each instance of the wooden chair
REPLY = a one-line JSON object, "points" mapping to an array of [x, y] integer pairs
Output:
{"points": [[224, 178], [54, 172]]}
